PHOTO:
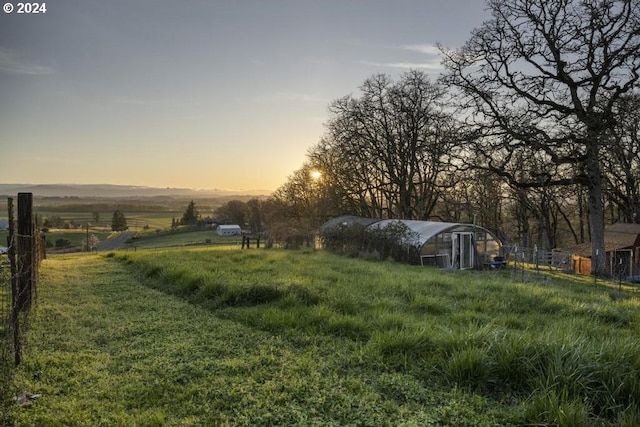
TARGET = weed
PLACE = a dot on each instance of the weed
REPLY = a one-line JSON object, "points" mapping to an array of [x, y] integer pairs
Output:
{"points": [[558, 409], [468, 367]]}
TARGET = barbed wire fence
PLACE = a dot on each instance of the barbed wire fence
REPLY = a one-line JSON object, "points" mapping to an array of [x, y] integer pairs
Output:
{"points": [[18, 288]]}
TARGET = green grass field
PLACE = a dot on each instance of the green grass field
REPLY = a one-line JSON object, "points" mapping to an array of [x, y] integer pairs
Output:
{"points": [[76, 237], [165, 239], [136, 220], [206, 336]]}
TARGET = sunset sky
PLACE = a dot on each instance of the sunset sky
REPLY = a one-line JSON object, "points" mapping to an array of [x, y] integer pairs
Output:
{"points": [[198, 94]]}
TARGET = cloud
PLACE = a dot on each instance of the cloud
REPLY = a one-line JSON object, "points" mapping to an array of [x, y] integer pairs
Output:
{"points": [[427, 49], [11, 64], [431, 61], [432, 66]]}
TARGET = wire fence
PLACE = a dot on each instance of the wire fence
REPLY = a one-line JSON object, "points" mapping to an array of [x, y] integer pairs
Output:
{"points": [[537, 258], [18, 287], [528, 264], [531, 264]]}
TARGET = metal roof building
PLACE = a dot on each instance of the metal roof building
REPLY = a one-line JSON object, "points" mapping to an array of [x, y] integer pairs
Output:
{"points": [[442, 244]]}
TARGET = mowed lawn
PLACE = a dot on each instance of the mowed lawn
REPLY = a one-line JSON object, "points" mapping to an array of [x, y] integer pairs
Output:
{"points": [[271, 337]]}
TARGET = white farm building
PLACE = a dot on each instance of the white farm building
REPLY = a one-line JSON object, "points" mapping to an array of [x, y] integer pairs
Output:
{"points": [[229, 230]]}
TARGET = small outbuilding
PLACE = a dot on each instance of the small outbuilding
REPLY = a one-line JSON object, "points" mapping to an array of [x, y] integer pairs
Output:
{"points": [[442, 244], [622, 251], [229, 230]]}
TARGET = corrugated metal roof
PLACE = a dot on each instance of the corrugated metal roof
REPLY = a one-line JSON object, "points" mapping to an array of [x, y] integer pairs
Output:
{"points": [[423, 230]]}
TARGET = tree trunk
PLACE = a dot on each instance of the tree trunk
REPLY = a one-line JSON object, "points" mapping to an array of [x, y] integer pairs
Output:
{"points": [[523, 218], [581, 213], [596, 221]]}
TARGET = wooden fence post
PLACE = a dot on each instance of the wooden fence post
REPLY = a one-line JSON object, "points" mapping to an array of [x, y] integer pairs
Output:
{"points": [[26, 251]]}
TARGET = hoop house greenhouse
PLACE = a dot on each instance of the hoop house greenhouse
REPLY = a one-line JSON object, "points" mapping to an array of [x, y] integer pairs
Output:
{"points": [[442, 244]]}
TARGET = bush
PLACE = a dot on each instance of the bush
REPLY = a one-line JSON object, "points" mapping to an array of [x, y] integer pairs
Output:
{"points": [[63, 243], [345, 239], [391, 241]]}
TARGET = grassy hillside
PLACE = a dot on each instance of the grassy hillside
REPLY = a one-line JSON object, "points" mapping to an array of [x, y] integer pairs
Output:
{"points": [[220, 337]]}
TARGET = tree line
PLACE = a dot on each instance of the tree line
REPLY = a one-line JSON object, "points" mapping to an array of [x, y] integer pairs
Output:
{"points": [[532, 131]]}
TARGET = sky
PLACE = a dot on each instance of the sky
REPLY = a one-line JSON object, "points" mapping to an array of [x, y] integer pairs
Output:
{"points": [[226, 94]]}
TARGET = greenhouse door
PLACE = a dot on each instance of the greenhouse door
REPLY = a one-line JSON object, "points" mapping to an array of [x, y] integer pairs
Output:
{"points": [[462, 250]]}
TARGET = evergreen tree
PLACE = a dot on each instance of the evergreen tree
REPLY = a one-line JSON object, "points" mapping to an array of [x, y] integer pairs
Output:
{"points": [[191, 215], [118, 222]]}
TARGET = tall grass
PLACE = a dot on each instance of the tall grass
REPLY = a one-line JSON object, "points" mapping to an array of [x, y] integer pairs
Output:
{"points": [[565, 351], [105, 350]]}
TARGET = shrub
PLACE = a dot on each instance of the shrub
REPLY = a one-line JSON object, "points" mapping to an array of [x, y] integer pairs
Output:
{"points": [[63, 243], [345, 239], [391, 241]]}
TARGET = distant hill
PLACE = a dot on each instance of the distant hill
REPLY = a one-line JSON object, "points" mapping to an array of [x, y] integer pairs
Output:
{"points": [[110, 190]]}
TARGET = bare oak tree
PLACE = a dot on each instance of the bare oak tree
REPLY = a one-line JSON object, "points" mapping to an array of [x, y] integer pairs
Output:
{"points": [[622, 161], [304, 202], [540, 81], [387, 147]]}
